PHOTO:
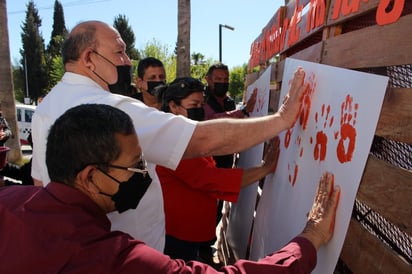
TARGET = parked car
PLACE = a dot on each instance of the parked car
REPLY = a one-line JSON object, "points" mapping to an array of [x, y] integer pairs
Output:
{"points": [[24, 114]]}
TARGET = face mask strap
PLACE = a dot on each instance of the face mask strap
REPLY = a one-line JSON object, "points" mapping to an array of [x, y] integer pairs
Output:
{"points": [[101, 78], [108, 175], [94, 51]]}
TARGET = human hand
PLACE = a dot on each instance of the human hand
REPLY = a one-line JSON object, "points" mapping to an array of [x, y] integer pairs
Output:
{"points": [[292, 102], [321, 220], [250, 104], [271, 154]]}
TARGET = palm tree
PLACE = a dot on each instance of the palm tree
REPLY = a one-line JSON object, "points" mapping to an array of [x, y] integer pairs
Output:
{"points": [[183, 39], [8, 105]]}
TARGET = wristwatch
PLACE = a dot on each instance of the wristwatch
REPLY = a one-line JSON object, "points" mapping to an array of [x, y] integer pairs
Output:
{"points": [[244, 111]]}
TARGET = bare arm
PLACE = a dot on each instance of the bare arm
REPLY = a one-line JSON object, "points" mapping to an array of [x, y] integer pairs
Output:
{"points": [[225, 136], [270, 161]]}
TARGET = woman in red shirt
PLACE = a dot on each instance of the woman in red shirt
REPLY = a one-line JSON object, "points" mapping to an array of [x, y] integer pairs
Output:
{"points": [[192, 190]]}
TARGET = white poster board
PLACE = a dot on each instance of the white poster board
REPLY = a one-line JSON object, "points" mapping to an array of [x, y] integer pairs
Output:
{"points": [[241, 212], [334, 133]]}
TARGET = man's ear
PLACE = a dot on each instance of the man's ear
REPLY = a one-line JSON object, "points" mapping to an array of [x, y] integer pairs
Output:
{"points": [[139, 82], [85, 177], [86, 59]]}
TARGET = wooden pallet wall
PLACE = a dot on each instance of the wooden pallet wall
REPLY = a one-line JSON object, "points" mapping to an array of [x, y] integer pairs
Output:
{"points": [[362, 35]]}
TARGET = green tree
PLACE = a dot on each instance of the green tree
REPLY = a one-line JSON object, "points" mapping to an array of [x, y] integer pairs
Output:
{"points": [[199, 66], [237, 82], [33, 54], [197, 58], [18, 81], [162, 52], [56, 69], [121, 23], [59, 31]]}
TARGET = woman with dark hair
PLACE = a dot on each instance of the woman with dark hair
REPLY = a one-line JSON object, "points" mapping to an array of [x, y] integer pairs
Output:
{"points": [[192, 190]]}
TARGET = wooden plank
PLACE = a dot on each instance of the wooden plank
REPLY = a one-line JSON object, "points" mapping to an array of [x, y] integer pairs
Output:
{"points": [[307, 16], [363, 7], [251, 78], [388, 190], [311, 54], [375, 46], [395, 121], [274, 100], [364, 253], [280, 70]]}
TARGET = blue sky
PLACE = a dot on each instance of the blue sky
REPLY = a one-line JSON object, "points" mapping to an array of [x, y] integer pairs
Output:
{"points": [[157, 19]]}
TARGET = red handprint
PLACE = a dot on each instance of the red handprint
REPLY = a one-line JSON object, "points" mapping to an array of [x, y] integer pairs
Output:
{"points": [[349, 111], [307, 102], [319, 152], [260, 101]]}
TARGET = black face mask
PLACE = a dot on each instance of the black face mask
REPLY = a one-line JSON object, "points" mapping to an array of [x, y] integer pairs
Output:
{"points": [[221, 89], [130, 192], [152, 84], [124, 77], [197, 114]]}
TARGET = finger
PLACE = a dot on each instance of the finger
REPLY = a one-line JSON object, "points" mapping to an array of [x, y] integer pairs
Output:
{"points": [[331, 184], [335, 201], [297, 80], [322, 194], [336, 197]]}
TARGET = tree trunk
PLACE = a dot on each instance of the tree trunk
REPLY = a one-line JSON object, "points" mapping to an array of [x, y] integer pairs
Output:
{"points": [[8, 104], [183, 39]]}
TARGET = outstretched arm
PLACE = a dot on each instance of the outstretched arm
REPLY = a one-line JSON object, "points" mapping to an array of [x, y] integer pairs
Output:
{"points": [[225, 136], [270, 161]]}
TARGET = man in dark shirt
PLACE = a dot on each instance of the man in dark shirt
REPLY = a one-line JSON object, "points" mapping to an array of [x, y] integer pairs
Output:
{"points": [[96, 166], [150, 74]]}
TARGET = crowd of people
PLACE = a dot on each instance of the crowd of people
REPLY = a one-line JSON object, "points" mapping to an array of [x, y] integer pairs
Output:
{"points": [[125, 178]]}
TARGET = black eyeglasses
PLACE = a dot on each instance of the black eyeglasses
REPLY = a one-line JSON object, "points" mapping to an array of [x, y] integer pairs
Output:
{"points": [[141, 167]]}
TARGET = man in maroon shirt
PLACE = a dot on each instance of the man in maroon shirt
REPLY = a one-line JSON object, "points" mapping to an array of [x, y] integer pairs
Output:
{"points": [[96, 166]]}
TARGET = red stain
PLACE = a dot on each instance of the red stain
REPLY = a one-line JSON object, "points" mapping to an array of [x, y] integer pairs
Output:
{"points": [[260, 101], [288, 136], [321, 139], [292, 177], [347, 130], [299, 142], [319, 153], [306, 106]]}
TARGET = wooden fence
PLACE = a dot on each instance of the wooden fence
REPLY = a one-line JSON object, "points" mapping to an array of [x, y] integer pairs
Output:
{"points": [[373, 36]]}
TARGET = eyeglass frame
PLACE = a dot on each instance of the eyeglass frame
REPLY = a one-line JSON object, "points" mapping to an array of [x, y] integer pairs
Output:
{"points": [[140, 168]]}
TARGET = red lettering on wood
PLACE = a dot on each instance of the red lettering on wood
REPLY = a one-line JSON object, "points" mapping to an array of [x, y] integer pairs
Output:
{"points": [[346, 6], [383, 17], [283, 32], [316, 14], [294, 30], [350, 6]]}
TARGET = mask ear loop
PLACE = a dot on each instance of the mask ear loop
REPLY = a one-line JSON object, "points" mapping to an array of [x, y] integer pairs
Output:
{"points": [[108, 175], [107, 60]]}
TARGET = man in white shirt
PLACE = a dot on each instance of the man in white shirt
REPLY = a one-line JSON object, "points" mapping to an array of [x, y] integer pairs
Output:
{"points": [[95, 63]]}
